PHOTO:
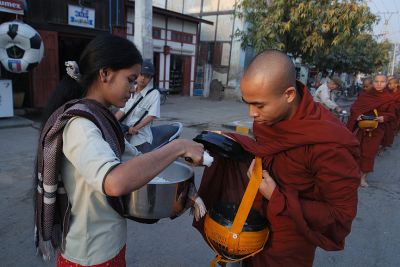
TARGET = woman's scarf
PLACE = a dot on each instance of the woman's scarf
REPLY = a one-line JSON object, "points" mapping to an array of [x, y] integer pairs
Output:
{"points": [[52, 208]]}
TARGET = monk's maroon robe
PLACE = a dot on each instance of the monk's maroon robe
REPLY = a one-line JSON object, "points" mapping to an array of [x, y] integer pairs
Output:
{"points": [[312, 158], [383, 135], [396, 97]]}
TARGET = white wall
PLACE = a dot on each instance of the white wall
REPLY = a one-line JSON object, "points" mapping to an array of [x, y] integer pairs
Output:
{"points": [[175, 47], [189, 27], [175, 24], [158, 21], [208, 31]]}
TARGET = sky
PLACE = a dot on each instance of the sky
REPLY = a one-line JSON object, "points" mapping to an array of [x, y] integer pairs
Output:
{"points": [[381, 8]]}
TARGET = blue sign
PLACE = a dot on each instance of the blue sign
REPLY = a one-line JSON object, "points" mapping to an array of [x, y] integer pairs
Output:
{"points": [[81, 16]]}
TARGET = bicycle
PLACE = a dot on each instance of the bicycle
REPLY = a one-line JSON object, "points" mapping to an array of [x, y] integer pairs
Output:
{"points": [[163, 95]]}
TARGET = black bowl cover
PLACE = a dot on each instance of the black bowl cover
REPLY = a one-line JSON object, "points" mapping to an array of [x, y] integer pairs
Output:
{"points": [[224, 214], [223, 145]]}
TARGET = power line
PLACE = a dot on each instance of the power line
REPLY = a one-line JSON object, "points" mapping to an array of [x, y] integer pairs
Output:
{"points": [[387, 16]]}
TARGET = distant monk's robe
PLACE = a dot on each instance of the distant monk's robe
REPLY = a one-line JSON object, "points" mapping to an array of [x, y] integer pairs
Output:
{"points": [[313, 159], [396, 97], [370, 141]]}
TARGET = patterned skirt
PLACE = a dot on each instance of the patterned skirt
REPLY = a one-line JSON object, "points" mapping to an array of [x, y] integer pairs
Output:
{"points": [[117, 261]]}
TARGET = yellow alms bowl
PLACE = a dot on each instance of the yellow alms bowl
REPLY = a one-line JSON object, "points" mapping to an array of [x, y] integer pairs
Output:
{"points": [[368, 124]]}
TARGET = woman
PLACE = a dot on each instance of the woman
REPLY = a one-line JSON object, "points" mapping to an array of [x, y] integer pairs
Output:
{"points": [[80, 176]]}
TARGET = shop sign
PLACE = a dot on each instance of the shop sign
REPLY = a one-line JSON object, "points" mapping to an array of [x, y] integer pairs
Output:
{"points": [[81, 16], [12, 6]]}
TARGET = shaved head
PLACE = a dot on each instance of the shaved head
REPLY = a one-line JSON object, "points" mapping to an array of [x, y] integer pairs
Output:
{"points": [[392, 77], [273, 67], [269, 88], [380, 82], [368, 79], [393, 84]]}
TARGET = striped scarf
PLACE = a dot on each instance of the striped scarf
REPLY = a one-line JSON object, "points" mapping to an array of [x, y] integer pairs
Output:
{"points": [[52, 209]]}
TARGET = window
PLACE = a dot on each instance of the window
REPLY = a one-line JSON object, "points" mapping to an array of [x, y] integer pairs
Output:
{"points": [[181, 37], [156, 33]]}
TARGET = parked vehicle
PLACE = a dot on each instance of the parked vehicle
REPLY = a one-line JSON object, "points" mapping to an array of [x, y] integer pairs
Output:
{"points": [[163, 95]]}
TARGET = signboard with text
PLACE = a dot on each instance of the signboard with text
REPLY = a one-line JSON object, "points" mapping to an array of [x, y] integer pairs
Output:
{"points": [[81, 16], [12, 6]]}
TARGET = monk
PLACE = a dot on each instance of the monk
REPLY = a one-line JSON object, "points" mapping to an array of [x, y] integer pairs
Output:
{"points": [[367, 84], [310, 179], [370, 140], [394, 89]]}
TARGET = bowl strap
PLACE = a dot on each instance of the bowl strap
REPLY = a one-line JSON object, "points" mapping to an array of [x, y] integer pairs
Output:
{"points": [[248, 198]]}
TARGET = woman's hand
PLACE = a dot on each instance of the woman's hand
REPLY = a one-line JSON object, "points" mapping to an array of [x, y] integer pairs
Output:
{"points": [[192, 150]]}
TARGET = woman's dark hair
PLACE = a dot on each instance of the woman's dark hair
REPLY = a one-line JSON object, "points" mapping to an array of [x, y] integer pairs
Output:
{"points": [[66, 90], [104, 51]]}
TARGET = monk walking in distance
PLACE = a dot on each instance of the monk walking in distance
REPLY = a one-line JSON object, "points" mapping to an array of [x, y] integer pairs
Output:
{"points": [[377, 102]]}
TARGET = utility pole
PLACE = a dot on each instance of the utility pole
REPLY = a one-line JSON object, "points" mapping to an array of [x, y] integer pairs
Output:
{"points": [[394, 58], [384, 33], [386, 15], [144, 28]]}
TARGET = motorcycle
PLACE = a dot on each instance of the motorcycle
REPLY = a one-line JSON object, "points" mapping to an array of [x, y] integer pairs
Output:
{"points": [[162, 135]]}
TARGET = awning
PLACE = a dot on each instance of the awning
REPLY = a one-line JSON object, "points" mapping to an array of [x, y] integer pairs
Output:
{"points": [[170, 13], [13, 6]]}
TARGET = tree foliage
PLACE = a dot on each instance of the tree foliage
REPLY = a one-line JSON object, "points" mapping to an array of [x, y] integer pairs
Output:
{"points": [[359, 54], [309, 29]]}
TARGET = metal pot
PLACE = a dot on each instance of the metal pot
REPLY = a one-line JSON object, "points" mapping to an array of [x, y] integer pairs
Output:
{"points": [[163, 197]]}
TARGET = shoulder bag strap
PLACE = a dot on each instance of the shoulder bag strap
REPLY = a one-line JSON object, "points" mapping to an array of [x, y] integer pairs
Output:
{"points": [[145, 113], [130, 110]]}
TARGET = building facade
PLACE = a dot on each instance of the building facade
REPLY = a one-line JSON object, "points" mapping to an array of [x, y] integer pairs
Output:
{"points": [[175, 47], [220, 54], [66, 26]]}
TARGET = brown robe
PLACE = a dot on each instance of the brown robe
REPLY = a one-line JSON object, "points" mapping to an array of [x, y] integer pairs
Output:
{"points": [[383, 135], [396, 97], [312, 158]]}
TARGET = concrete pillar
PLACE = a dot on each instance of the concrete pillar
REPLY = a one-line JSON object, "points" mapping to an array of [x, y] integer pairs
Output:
{"points": [[144, 28]]}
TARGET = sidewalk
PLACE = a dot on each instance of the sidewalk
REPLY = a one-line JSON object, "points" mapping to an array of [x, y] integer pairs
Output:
{"points": [[202, 113], [193, 112], [13, 122]]}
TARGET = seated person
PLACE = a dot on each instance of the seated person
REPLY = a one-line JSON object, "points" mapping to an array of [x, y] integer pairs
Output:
{"points": [[325, 96], [141, 109]]}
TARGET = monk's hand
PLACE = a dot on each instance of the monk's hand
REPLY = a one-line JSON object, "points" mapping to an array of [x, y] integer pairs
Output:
{"points": [[380, 119], [267, 185], [359, 117], [250, 170]]}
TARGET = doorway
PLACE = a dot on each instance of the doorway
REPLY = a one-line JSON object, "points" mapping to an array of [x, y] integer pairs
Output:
{"points": [[180, 69], [70, 49]]}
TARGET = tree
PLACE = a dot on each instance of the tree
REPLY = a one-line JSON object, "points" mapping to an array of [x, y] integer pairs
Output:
{"points": [[302, 28], [359, 54]]}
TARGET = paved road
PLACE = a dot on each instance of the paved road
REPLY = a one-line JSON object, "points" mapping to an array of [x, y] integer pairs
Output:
{"points": [[374, 240]]}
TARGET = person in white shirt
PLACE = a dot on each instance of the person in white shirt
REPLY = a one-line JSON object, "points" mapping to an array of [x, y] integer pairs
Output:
{"points": [[324, 94], [147, 101]]}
